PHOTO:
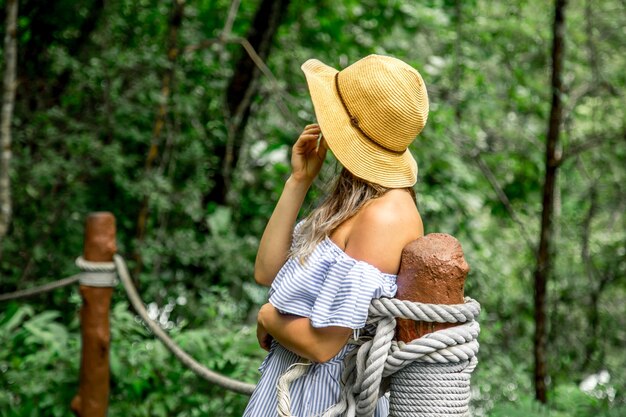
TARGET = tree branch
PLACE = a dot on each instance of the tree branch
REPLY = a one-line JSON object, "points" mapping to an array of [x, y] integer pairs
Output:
{"points": [[502, 197], [8, 102], [258, 61], [584, 146], [230, 19], [490, 176]]}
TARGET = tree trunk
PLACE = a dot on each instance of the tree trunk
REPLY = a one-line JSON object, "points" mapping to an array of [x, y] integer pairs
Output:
{"points": [[8, 100], [544, 253], [242, 88], [175, 22], [594, 294], [37, 88], [77, 46]]}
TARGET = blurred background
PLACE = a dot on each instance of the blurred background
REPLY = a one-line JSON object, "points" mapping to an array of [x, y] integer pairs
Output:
{"points": [[178, 117]]}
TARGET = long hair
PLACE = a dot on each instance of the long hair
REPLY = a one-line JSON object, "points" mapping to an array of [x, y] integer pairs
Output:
{"points": [[348, 196]]}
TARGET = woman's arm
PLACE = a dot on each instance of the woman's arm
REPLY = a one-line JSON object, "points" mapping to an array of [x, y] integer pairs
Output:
{"points": [[296, 334], [276, 238], [306, 160]]}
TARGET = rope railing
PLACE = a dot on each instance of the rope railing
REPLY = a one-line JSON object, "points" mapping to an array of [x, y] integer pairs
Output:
{"points": [[199, 369], [42, 289], [92, 268]]}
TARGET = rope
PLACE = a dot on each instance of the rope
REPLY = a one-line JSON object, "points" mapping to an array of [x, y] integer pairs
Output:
{"points": [[438, 313], [92, 266], [97, 274], [41, 289], [181, 355], [429, 375], [431, 390], [292, 373]]}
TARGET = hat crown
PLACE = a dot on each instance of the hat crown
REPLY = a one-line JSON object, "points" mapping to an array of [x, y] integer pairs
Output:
{"points": [[386, 98]]}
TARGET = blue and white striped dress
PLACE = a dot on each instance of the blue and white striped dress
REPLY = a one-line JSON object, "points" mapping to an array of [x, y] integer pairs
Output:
{"points": [[331, 289]]}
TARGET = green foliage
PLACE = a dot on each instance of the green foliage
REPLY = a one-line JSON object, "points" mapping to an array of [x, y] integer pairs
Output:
{"points": [[145, 379], [36, 344], [91, 81], [568, 401]]}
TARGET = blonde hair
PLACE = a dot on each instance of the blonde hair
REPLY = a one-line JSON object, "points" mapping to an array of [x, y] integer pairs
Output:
{"points": [[348, 196]]}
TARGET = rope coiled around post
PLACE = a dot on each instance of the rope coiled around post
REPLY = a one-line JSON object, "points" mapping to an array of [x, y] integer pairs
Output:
{"points": [[97, 274], [429, 375]]}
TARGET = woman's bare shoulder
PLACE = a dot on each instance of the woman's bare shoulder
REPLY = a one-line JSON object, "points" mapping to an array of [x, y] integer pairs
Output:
{"points": [[395, 210], [383, 228]]}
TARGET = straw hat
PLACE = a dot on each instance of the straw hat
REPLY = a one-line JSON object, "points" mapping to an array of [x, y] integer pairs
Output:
{"points": [[369, 113]]}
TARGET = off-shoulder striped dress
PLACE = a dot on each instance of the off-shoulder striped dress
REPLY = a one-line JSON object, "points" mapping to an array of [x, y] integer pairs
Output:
{"points": [[331, 289]]}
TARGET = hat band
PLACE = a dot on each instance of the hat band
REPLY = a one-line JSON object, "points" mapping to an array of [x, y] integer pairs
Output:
{"points": [[355, 122]]}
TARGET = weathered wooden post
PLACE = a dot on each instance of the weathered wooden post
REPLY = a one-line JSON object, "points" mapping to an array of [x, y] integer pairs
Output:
{"points": [[433, 271], [93, 393]]}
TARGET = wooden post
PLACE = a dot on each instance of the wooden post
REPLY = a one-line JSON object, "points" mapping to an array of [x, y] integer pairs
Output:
{"points": [[92, 399], [432, 271]]}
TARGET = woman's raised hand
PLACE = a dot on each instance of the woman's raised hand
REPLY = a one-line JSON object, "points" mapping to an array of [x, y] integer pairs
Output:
{"points": [[307, 158], [307, 154]]}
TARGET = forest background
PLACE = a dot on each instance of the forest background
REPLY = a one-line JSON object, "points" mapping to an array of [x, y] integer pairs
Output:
{"points": [[178, 117]]}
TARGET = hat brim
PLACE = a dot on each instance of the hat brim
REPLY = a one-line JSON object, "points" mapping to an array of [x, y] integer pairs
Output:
{"points": [[355, 152]]}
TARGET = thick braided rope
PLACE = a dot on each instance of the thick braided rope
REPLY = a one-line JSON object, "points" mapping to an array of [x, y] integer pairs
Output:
{"points": [[104, 274], [382, 357], [95, 274], [437, 313], [431, 389], [456, 344], [453, 345]]}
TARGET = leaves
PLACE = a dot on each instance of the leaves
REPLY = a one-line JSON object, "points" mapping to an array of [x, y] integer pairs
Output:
{"points": [[83, 123]]}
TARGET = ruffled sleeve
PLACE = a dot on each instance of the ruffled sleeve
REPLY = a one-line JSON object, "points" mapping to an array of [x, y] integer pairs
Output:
{"points": [[346, 292], [332, 289]]}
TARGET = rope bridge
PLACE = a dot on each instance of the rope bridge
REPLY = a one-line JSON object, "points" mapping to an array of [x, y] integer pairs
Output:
{"points": [[427, 375]]}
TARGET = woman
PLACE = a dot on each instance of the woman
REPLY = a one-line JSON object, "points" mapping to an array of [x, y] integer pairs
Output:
{"points": [[324, 273]]}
